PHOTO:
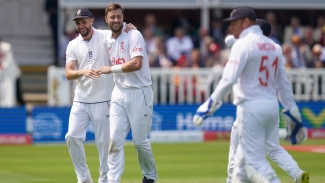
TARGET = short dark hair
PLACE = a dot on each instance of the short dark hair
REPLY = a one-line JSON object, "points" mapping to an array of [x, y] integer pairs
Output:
{"points": [[113, 6]]}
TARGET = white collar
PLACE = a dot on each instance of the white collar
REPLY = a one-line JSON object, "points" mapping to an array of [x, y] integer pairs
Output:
{"points": [[252, 28]]}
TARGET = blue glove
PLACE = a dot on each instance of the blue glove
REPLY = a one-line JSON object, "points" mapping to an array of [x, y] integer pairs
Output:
{"points": [[205, 110], [296, 132]]}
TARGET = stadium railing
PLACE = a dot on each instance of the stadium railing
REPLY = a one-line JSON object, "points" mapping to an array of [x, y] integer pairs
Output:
{"points": [[191, 86]]}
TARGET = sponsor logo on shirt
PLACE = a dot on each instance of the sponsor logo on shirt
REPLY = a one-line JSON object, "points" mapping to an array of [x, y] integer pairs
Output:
{"points": [[118, 61], [137, 49], [266, 46]]}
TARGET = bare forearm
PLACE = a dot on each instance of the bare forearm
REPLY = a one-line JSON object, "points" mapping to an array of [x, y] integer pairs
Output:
{"points": [[134, 64], [130, 67], [73, 74]]}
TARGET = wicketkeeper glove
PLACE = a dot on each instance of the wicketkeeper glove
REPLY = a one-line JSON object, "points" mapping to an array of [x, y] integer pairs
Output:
{"points": [[205, 110], [296, 132]]}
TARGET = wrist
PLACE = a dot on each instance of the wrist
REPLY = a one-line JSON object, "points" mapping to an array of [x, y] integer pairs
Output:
{"points": [[116, 69]]}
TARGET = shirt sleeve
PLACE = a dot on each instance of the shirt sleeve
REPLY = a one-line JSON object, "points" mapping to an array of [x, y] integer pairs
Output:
{"points": [[137, 45], [107, 34], [284, 87], [70, 53], [239, 55]]}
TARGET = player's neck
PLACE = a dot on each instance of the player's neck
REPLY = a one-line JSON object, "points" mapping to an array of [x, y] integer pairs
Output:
{"points": [[115, 35], [88, 37]]}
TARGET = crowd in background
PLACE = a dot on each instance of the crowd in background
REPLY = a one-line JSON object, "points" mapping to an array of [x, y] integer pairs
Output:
{"points": [[183, 47]]}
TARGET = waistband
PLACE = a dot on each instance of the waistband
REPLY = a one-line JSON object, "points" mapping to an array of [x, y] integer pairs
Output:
{"points": [[132, 88]]}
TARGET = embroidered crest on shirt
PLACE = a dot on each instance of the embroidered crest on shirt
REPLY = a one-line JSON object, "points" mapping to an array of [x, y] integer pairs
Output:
{"points": [[90, 56]]}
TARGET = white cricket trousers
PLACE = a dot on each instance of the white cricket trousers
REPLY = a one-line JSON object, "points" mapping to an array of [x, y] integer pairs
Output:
{"points": [[80, 116], [256, 121], [131, 108], [273, 149]]}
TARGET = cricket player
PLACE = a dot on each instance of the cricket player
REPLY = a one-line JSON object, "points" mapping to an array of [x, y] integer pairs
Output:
{"points": [[132, 97], [92, 97], [252, 71], [274, 151]]}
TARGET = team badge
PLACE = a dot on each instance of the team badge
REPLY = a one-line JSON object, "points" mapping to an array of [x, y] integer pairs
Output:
{"points": [[90, 56]]}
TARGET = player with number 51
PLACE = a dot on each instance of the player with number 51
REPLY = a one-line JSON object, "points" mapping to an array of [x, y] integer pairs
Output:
{"points": [[254, 71]]}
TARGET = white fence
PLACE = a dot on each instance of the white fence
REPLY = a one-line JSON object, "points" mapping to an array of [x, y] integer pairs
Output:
{"points": [[190, 86], [195, 86]]}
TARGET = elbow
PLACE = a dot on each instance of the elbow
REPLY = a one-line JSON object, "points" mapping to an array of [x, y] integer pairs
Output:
{"points": [[69, 78], [138, 67]]}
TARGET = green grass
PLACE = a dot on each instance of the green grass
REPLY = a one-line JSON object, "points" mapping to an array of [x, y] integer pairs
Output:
{"points": [[176, 163]]}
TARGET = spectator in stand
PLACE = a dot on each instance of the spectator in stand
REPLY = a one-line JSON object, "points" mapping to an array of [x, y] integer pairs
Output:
{"points": [[158, 58], [179, 80], [178, 45], [317, 61], [217, 32], [286, 50], [199, 42], [214, 59], [308, 37], [180, 20], [150, 23], [51, 7], [149, 40], [196, 59], [293, 28], [8, 66], [319, 31], [300, 54], [276, 30], [207, 40], [198, 82]]}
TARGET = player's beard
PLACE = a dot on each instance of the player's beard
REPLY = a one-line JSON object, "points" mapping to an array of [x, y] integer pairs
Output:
{"points": [[114, 29], [86, 33]]}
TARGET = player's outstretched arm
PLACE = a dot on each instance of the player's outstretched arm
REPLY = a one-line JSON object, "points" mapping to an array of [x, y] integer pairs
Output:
{"points": [[72, 74], [104, 70], [133, 65], [231, 73]]}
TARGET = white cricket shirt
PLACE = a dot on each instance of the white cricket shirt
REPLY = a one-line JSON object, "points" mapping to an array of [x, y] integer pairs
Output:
{"points": [[122, 50], [253, 68], [91, 54], [284, 88]]}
